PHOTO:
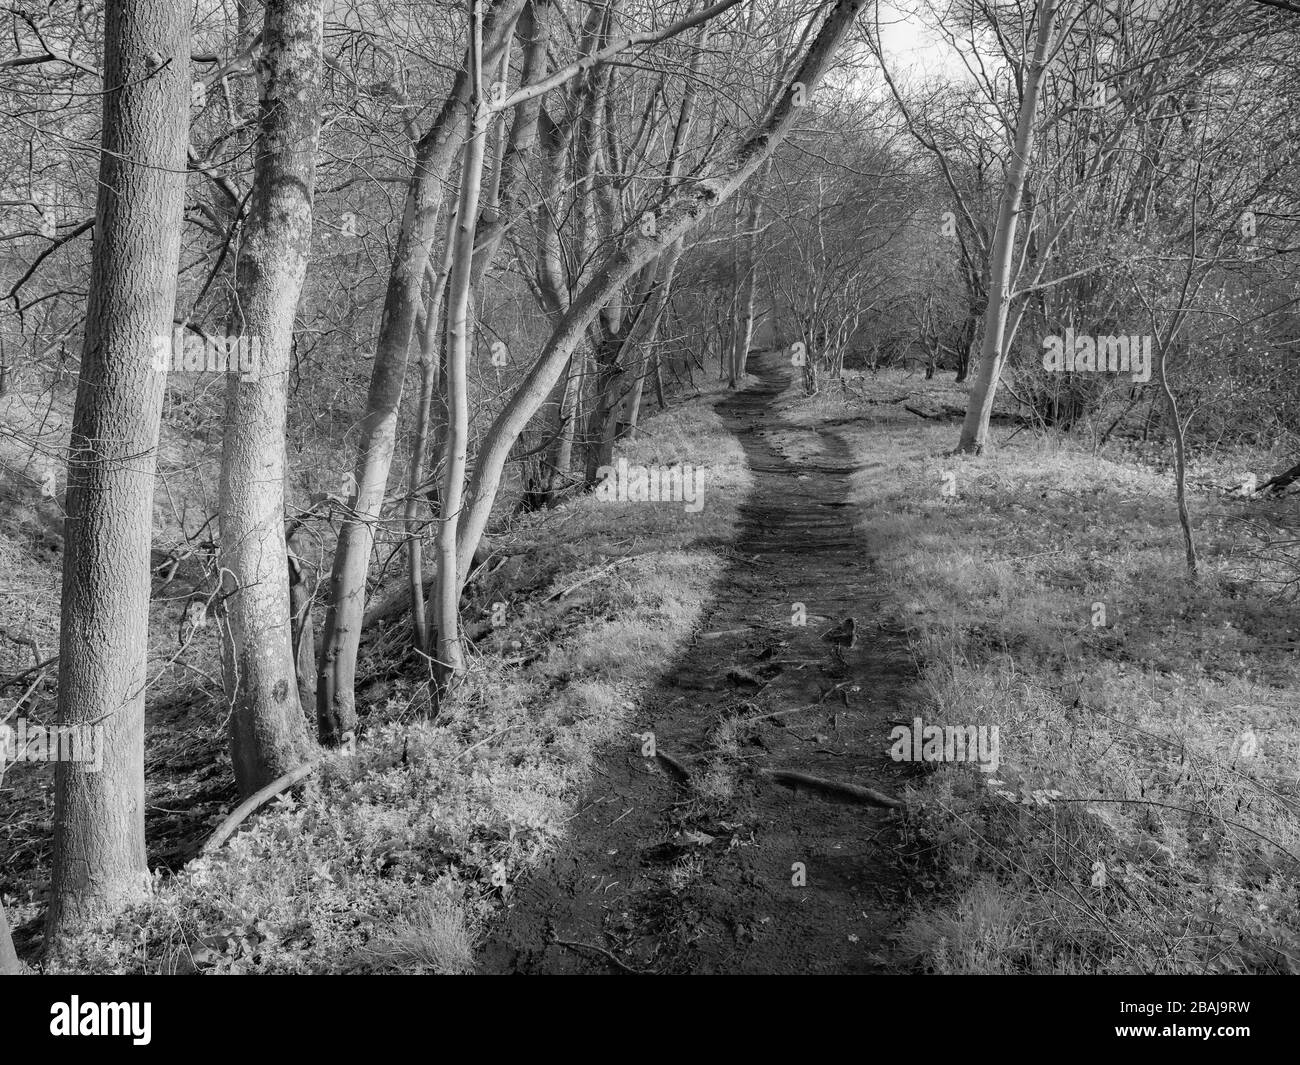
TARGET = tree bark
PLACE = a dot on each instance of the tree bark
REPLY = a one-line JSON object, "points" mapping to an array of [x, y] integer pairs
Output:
{"points": [[431, 350], [303, 632], [745, 322], [435, 153], [681, 213], [975, 429], [8, 957], [445, 607], [99, 855], [268, 735]]}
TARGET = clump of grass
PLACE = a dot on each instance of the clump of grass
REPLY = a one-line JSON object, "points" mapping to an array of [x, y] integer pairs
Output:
{"points": [[685, 871], [717, 784], [979, 933], [429, 937]]}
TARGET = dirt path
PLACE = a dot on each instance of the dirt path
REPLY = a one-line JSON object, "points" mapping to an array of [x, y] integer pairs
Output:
{"points": [[654, 879]]}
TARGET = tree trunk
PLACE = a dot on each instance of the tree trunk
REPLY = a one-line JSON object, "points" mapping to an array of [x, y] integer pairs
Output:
{"points": [[430, 394], [99, 856], [303, 631], [745, 322], [268, 736], [445, 608], [560, 458], [659, 304], [435, 153], [1180, 460], [8, 957], [965, 346], [975, 429], [680, 214]]}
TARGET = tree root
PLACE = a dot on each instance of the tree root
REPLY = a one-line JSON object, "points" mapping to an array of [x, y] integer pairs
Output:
{"points": [[254, 802], [833, 788]]}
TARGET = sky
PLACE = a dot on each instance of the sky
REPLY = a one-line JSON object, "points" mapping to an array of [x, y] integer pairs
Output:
{"points": [[912, 50]]}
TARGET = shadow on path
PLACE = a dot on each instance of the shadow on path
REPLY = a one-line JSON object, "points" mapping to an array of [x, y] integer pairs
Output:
{"points": [[654, 878]]}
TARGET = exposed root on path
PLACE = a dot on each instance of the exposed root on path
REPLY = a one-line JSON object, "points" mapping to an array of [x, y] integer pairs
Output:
{"points": [[834, 789]]}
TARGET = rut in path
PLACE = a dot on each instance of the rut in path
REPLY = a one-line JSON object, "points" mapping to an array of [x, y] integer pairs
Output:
{"points": [[650, 880]]}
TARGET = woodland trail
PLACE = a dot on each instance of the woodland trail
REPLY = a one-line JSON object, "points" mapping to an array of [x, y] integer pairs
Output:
{"points": [[653, 880]]}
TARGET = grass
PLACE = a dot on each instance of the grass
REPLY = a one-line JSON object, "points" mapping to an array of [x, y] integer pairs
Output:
{"points": [[1047, 596], [1143, 817], [394, 859]]}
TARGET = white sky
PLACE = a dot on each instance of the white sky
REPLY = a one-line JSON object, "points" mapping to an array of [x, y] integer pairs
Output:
{"points": [[912, 50]]}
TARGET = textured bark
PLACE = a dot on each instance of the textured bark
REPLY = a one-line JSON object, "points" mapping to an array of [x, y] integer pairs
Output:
{"points": [[303, 631], [560, 457], [268, 736], [8, 958], [619, 338], [444, 609], [745, 319], [99, 855], [430, 396], [975, 429], [624, 426], [609, 350]]}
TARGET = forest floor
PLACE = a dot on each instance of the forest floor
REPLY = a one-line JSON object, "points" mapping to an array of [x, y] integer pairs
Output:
{"points": [[1142, 812], [729, 871], [1143, 815]]}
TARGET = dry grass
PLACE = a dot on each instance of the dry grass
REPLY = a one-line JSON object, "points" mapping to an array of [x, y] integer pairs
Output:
{"points": [[394, 859], [1047, 596]]}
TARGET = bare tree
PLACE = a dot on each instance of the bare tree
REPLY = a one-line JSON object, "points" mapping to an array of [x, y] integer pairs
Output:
{"points": [[268, 736], [680, 213], [435, 152], [975, 429], [99, 856], [448, 659]]}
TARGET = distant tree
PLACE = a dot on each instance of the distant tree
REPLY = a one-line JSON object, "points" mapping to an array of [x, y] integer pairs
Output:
{"points": [[975, 429]]}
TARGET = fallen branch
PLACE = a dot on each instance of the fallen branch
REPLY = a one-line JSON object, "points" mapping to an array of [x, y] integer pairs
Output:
{"points": [[778, 713], [575, 945], [724, 632], [928, 415], [254, 802], [833, 788], [495, 735], [18, 678], [1281, 481], [589, 578], [672, 763]]}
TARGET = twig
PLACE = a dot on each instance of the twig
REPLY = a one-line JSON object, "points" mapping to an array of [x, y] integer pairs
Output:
{"points": [[474, 746], [17, 678], [778, 713], [589, 578], [574, 945]]}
